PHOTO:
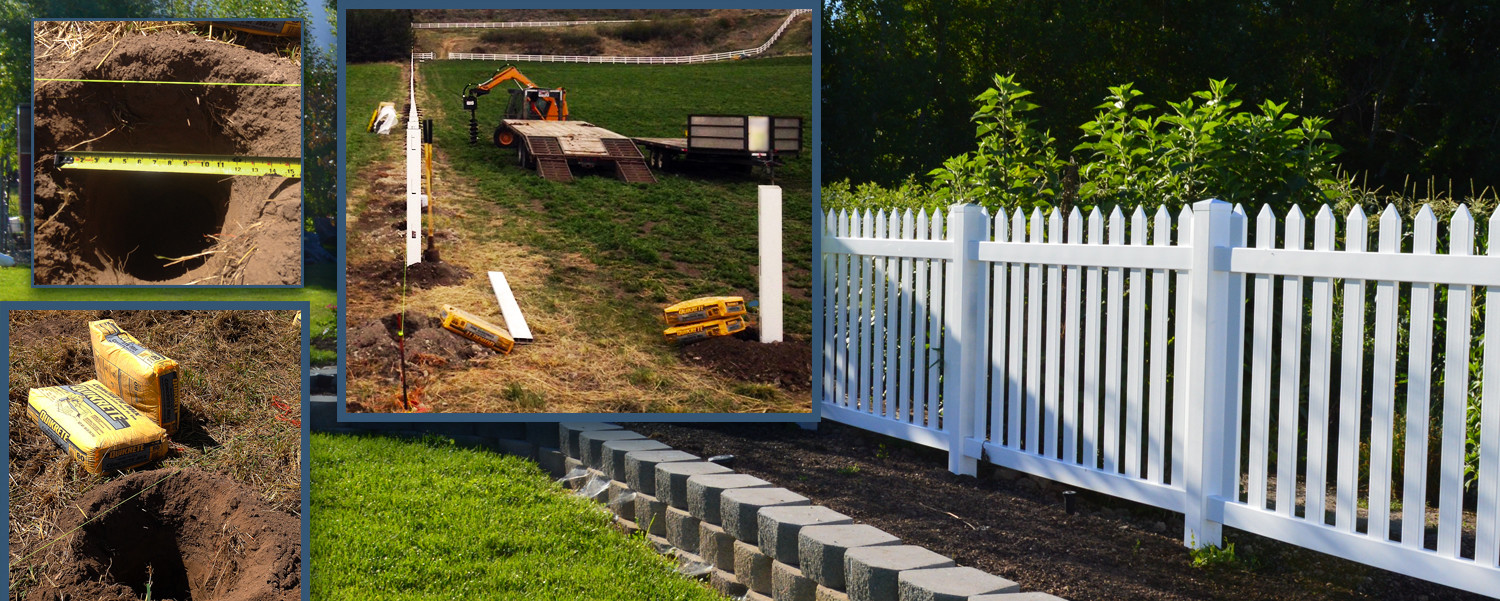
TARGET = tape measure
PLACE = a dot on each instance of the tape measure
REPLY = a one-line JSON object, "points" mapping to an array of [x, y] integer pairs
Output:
{"points": [[212, 164]]}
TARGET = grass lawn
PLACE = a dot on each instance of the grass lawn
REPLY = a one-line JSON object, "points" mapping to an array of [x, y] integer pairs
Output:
{"points": [[397, 519]]}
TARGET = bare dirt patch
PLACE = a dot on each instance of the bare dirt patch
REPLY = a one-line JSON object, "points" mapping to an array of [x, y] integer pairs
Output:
{"points": [[167, 534], [1016, 527], [743, 357], [106, 227]]}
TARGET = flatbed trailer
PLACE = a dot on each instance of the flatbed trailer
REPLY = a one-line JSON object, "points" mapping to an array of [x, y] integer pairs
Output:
{"points": [[552, 147], [726, 139]]}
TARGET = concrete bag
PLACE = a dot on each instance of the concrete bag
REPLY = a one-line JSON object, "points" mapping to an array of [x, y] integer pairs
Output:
{"points": [[96, 427], [143, 377]]}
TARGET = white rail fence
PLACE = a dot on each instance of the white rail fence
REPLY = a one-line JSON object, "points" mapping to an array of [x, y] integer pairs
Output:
{"points": [[637, 60], [1143, 357], [514, 24]]}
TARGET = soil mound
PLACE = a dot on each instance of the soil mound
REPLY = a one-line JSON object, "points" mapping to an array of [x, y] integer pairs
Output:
{"points": [[196, 535], [108, 227], [741, 356]]}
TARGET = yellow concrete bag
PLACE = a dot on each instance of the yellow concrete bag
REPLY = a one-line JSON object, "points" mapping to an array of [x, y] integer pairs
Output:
{"points": [[141, 376], [96, 427]]}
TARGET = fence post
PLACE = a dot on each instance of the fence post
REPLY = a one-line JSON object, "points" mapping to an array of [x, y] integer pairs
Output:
{"points": [[963, 345], [1208, 464]]}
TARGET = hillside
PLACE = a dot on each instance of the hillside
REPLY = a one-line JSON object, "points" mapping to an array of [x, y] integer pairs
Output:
{"points": [[659, 33]]}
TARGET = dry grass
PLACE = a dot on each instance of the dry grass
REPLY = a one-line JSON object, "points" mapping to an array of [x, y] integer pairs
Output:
{"points": [[62, 41], [234, 363]]}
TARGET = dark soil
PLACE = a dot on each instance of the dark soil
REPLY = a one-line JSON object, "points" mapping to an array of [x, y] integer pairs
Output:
{"points": [[384, 277], [787, 364], [103, 227], [188, 535], [1014, 526], [374, 352]]}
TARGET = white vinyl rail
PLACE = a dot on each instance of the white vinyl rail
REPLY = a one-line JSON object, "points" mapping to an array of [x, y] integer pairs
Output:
{"points": [[636, 60], [512, 24], [413, 172], [1118, 353]]}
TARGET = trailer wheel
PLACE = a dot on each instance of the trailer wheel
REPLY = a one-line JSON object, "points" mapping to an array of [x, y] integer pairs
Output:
{"points": [[504, 137]]}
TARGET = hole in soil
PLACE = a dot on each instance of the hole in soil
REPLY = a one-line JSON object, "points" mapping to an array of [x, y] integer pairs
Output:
{"points": [[136, 219], [143, 551]]}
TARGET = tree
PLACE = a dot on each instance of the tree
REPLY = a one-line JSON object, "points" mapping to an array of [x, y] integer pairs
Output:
{"points": [[379, 35]]}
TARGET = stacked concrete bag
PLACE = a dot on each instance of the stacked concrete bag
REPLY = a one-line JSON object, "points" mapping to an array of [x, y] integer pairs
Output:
{"points": [[144, 378], [96, 427]]}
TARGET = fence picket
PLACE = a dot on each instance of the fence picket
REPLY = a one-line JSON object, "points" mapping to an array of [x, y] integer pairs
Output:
{"points": [[878, 357], [905, 398], [1383, 383], [1455, 393], [892, 302], [842, 359], [1351, 359], [1239, 236], [1320, 353], [935, 334], [924, 311], [1034, 302], [1019, 330], [1293, 238], [1260, 366], [1051, 404], [1070, 349], [830, 304], [998, 339], [1418, 390], [1487, 547], [1091, 351], [1112, 336], [1180, 397], [1135, 362], [1161, 235], [862, 360]]}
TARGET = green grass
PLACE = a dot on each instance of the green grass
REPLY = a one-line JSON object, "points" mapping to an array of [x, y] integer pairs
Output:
{"points": [[395, 519], [367, 87], [687, 235]]}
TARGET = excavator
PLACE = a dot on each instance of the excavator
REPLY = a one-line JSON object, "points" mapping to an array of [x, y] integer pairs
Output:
{"points": [[527, 101]]}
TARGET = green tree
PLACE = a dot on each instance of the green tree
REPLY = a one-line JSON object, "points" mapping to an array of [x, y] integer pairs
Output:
{"points": [[379, 35]]}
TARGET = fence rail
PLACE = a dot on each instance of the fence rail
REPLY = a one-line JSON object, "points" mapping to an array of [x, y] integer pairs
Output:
{"points": [[1195, 362], [637, 60]]}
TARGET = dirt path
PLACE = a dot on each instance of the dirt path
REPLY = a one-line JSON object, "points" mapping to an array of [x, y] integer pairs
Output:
{"points": [[1015, 526], [591, 354]]}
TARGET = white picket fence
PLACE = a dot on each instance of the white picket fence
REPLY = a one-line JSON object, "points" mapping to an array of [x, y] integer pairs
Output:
{"points": [[515, 24], [1112, 354], [636, 60]]}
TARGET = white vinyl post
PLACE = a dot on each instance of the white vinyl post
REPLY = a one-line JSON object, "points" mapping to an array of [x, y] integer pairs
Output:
{"points": [[770, 264], [1209, 469], [413, 176], [963, 355]]}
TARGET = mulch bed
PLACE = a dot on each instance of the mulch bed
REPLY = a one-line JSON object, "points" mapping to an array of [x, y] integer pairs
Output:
{"points": [[743, 357], [1014, 526]]}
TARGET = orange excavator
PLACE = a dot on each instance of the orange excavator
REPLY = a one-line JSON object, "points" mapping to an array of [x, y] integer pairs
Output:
{"points": [[527, 101]]}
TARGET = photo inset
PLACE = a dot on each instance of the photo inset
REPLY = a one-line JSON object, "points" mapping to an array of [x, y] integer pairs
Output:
{"points": [[155, 454], [577, 211], [168, 153]]}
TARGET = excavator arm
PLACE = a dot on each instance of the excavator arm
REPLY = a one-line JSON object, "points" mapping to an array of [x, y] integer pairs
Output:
{"points": [[509, 73]]}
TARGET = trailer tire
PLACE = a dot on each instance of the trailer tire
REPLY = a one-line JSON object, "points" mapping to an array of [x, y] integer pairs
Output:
{"points": [[504, 137]]}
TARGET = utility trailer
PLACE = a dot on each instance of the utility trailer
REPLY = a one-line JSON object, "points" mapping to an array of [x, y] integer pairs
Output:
{"points": [[552, 147], [728, 139]]}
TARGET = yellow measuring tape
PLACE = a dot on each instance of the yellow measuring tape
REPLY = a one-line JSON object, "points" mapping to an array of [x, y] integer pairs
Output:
{"points": [[213, 164]]}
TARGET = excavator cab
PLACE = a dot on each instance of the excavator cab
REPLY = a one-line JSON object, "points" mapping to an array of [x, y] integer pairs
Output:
{"points": [[527, 101]]}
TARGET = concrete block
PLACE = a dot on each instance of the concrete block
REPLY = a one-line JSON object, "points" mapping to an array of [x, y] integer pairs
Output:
{"points": [[567, 433], [591, 442], [682, 529], [870, 573], [640, 467], [739, 506], [543, 434], [570, 464], [703, 492], [754, 596], [621, 500], [777, 528], [820, 549], [671, 479], [508, 446], [950, 584], [715, 546], [551, 461], [614, 454], [725, 582], [628, 527], [501, 430], [1029, 596], [651, 514], [752, 567], [788, 584], [827, 594]]}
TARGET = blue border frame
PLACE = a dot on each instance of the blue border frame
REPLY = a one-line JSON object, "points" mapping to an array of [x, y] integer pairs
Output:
{"points": [[302, 152], [305, 307], [815, 413]]}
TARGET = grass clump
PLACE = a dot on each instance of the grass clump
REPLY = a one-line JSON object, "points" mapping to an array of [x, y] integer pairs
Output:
{"points": [[426, 519]]}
